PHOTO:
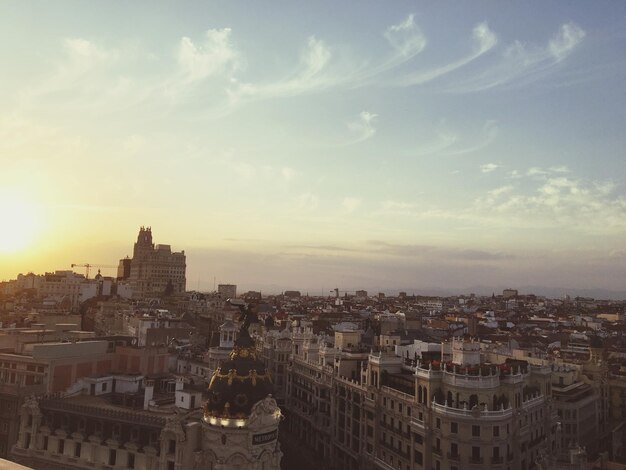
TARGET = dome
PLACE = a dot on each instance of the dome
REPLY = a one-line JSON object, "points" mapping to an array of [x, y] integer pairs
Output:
{"points": [[240, 382]]}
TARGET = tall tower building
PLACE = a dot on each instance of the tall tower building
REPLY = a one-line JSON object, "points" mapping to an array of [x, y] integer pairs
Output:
{"points": [[154, 269]]}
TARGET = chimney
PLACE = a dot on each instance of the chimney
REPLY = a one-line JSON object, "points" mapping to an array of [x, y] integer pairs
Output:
{"points": [[148, 393]]}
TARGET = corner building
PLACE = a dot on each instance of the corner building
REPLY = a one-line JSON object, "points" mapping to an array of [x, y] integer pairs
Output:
{"points": [[125, 426], [375, 410]]}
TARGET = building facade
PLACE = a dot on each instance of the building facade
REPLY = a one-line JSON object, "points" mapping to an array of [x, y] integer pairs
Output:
{"points": [[363, 409], [154, 269]]}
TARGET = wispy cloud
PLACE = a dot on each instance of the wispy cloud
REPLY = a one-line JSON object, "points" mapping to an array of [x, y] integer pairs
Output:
{"points": [[489, 133], [449, 142], [542, 172], [489, 167], [215, 54], [522, 63], [483, 41], [350, 204], [307, 202], [287, 173], [363, 127], [319, 69], [311, 74]]}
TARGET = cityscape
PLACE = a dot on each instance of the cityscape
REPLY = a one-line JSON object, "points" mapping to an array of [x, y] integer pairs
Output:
{"points": [[322, 235], [137, 371]]}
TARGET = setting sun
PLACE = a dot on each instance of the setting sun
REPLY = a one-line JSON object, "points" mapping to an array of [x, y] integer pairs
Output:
{"points": [[20, 223]]}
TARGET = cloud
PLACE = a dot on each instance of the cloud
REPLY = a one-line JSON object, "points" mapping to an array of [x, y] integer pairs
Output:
{"points": [[80, 49], [350, 204], [520, 63], [307, 202], [319, 69], [489, 133], [539, 171], [436, 252], [571, 204], [391, 207], [363, 128], [310, 75], [566, 40], [483, 41], [287, 173], [405, 38], [449, 142], [215, 55], [489, 167]]}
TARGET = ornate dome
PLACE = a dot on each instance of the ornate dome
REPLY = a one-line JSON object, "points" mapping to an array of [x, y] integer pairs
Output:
{"points": [[239, 382]]}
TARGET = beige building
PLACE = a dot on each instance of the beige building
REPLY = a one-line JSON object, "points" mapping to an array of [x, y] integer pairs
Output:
{"points": [[132, 421], [154, 269], [374, 410]]}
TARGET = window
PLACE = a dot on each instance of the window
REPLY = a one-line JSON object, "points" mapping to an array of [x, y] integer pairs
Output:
{"points": [[45, 443], [172, 447], [418, 457], [454, 428], [112, 457], [475, 431], [475, 453], [61, 447], [77, 449], [419, 439], [496, 431], [454, 449], [104, 386], [438, 423]]}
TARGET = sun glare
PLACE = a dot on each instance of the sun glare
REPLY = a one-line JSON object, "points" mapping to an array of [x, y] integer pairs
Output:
{"points": [[20, 221]]}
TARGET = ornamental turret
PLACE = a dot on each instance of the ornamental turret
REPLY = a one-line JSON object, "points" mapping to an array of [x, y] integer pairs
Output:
{"points": [[240, 416]]}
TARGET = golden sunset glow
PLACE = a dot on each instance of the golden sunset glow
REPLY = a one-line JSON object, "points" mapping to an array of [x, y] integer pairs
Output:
{"points": [[418, 147], [20, 223]]}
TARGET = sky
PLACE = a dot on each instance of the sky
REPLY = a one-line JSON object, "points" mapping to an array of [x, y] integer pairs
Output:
{"points": [[313, 145]]}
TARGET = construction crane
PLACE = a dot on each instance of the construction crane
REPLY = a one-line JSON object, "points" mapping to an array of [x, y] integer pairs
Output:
{"points": [[88, 266]]}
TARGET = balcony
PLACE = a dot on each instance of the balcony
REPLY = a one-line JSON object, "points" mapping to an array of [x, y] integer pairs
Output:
{"points": [[418, 424], [437, 451], [532, 402], [454, 457], [497, 460], [466, 413], [476, 460], [471, 381]]}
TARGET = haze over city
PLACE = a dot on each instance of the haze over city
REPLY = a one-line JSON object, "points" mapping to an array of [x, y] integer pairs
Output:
{"points": [[310, 145]]}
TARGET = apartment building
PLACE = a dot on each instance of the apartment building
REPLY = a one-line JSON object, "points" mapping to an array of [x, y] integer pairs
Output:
{"points": [[361, 407]]}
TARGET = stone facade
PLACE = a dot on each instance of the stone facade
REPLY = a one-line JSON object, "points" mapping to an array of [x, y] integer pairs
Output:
{"points": [[154, 269]]}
